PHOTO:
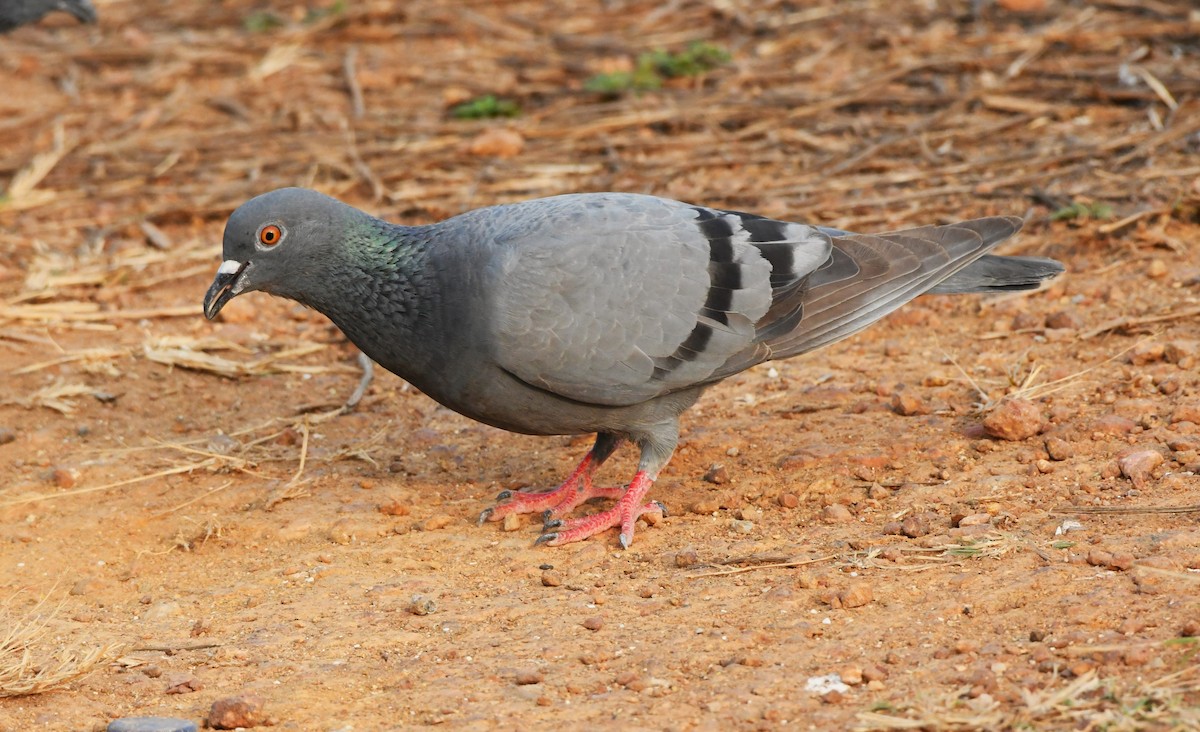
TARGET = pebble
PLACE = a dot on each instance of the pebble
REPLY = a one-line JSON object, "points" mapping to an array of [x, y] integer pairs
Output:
{"points": [[64, 477], [1014, 419], [550, 578], [497, 142], [222, 444], [394, 507], [837, 513], [907, 404], [7, 436], [1058, 448], [511, 522], [1144, 353], [422, 605], [151, 724], [1064, 319], [1138, 466], [856, 595], [788, 500], [851, 675], [594, 623], [750, 514], [1182, 353], [915, 526], [183, 684], [706, 506], [975, 519], [1186, 412], [438, 521], [1114, 424], [717, 474], [1191, 629], [741, 527], [686, 557], [237, 712], [528, 676]]}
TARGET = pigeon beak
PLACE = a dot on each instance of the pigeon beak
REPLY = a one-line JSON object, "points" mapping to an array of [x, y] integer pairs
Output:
{"points": [[225, 287]]}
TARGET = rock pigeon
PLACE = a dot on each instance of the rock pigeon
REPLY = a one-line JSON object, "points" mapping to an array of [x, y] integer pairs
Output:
{"points": [[15, 13], [605, 313]]}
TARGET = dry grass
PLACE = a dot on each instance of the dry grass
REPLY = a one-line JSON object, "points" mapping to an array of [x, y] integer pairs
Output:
{"points": [[33, 663]]}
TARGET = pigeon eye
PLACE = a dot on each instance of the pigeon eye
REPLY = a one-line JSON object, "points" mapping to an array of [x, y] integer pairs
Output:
{"points": [[269, 236]]}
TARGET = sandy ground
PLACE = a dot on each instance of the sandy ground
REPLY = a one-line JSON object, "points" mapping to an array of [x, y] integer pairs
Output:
{"points": [[218, 535]]}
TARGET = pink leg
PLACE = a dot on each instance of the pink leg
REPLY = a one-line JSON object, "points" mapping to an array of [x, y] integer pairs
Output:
{"points": [[625, 514], [574, 491]]}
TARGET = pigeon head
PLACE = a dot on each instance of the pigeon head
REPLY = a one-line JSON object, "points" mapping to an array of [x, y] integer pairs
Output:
{"points": [[282, 243]]}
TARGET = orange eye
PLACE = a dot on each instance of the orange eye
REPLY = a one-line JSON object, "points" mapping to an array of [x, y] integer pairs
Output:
{"points": [[270, 235]]}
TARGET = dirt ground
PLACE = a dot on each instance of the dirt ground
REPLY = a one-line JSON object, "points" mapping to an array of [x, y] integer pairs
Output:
{"points": [[178, 498]]}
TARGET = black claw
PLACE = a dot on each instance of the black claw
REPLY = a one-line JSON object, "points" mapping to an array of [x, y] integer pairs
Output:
{"points": [[545, 539], [484, 515], [661, 507], [551, 524], [547, 515], [504, 495]]}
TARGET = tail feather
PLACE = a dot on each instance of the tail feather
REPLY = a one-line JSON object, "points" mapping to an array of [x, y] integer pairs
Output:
{"points": [[991, 273]]}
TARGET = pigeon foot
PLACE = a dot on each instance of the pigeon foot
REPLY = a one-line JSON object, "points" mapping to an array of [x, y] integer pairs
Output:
{"points": [[574, 491], [625, 514]]}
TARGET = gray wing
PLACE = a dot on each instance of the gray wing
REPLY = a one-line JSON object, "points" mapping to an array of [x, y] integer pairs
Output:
{"points": [[617, 298]]}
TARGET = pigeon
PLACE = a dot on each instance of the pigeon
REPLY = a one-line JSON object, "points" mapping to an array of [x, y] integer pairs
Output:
{"points": [[604, 313], [15, 13]]}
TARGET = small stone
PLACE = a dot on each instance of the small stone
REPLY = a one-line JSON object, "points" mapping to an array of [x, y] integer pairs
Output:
{"points": [[7, 436], [1157, 269], [1121, 561], [394, 507], [550, 578], [151, 724], [497, 142], [1027, 321], [510, 522], [84, 586], [837, 513], [64, 477], [749, 513], [856, 595], [788, 500], [237, 712], [741, 527], [1146, 352], [686, 557], [152, 671], [975, 519], [528, 676], [438, 521], [1014, 419], [851, 675], [1180, 353], [183, 684], [706, 506], [1138, 466], [1114, 424], [871, 672], [222, 444], [422, 605], [907, 404], [1037, 635], [1044, 466], [630, 680], [594, 623], [915, 526], [1099, 558], [1186, 412], [717, 474], [1190, 629], [1058, 448], [1064, 319]]}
